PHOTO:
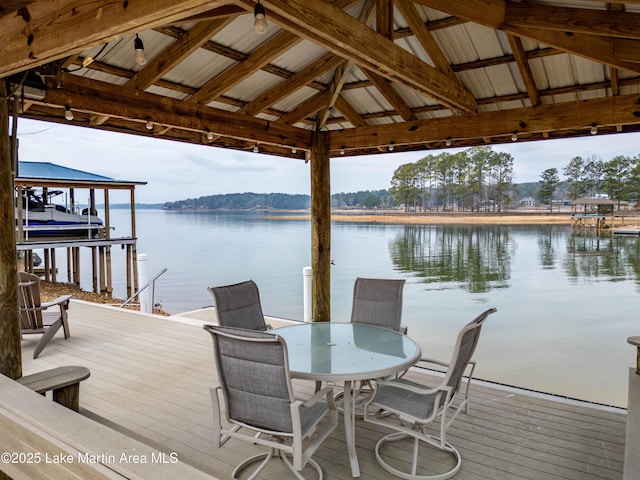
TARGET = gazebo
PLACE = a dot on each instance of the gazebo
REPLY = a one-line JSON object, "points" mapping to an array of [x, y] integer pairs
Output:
{"points": [[313, 81]]}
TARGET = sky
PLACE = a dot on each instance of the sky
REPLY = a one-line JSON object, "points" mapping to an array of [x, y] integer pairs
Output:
{"points": [[177, 171]]}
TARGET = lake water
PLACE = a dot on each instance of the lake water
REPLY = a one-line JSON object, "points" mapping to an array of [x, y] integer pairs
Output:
{"points": [[566, 303]]}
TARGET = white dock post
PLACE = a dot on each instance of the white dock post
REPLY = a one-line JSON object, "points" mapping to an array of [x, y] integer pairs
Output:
{"points": [[306, 293], [144, 297]]}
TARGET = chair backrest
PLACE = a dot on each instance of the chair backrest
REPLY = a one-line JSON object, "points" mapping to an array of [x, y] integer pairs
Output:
{"points": [[377, 302], [29, 301], [238, 305], [463, 350], [253, 371]]}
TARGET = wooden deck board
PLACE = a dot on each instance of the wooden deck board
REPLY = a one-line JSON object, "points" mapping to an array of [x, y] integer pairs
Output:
{"points": [[150, 378]]}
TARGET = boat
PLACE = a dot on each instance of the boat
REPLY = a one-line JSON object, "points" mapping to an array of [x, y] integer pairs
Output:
{"points": [[41, 217]]}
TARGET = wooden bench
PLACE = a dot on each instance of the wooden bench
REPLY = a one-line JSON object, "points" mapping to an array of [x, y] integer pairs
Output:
{"points": [[63, 381]]}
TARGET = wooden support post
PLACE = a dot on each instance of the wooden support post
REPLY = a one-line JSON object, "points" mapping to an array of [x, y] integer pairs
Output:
{"points": [[94, 267], [320, 228], [10, 344], [54, 268]]}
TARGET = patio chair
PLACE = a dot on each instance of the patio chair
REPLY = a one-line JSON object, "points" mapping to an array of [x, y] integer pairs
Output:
{"points": [[409, 408], [255, 384], [376, 302], [238, 305], [35, 316]]}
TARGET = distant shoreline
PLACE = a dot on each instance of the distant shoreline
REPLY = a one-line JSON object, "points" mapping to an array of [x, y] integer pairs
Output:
{"points": [[436, 218]]}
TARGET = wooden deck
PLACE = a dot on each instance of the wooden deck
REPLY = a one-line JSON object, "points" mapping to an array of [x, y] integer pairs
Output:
{"points": [[150, 379]]}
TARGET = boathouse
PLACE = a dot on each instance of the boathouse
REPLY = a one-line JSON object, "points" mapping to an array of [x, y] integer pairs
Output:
{"points": [[80, 191]]}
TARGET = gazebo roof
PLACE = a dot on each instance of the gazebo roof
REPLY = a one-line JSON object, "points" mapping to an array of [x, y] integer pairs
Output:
{"points": [[378, 75]]}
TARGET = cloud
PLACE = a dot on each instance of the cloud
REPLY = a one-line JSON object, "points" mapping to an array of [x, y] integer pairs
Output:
{"points": [[176, 171]]}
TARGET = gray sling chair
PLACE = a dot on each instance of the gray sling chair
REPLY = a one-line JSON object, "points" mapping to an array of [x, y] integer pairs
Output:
{"points": [[255, 384], [238, 305], [376, 302], [409, 408]]}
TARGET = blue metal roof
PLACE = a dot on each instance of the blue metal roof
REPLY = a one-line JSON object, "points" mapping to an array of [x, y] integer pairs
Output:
{"points": [[51, 171]]}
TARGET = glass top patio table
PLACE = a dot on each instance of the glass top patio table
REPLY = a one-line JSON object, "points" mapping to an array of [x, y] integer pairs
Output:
{"points": [[346, 352], [332, 351]]}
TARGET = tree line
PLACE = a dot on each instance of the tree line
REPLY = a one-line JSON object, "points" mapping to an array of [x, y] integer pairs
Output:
{"points": [[618, 178], [476, 179]]}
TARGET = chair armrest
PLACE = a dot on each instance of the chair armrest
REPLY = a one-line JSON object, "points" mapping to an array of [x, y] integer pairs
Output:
{"points": [[411, 387], [62, 300], [434, 361]]}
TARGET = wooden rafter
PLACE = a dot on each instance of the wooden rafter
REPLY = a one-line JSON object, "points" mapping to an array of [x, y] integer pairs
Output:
{"points": [[524, 68], [266, 52], [111, 100], [58, 29], [344, 35]]}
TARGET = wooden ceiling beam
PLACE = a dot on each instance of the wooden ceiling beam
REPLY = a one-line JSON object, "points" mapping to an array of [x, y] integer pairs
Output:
{"points": [[349, 112], [102, 98], [391, 95], [191, 41], [621, 110], [342, 71], [525, 69], [306, 109], [610, 23], [322, 23], [295, 82], [260, 57], [492, 13], [49, 31]]}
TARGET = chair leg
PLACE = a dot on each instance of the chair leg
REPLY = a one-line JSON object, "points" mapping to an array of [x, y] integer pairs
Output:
{"points": [[412, 475], [266, 458], [46, 337]]}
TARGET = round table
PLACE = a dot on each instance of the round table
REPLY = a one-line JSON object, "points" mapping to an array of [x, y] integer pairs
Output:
{"points": [[346, 352]]}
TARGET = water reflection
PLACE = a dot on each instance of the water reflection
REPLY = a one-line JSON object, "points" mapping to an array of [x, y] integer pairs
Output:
{"points": [[474, 257], [478, 258]]}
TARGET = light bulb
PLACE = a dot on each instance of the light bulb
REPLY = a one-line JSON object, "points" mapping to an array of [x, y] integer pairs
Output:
{"points": [[68, 114], [391, 147], [141, 58], [149, 124], [594, 129], [294, 150], [260, 22], [255, 148], [342, 151], [448, 142], [209, 135], [514, 137]]}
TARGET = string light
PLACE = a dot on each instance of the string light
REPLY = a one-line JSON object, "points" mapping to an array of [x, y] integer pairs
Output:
{"points": [[256, 149], [391, 147], [209, 134], [448, 142], [141, 58], [68, 114], [514, 137], [341, 150], [149, 124], [260, 21], [594, 129], [294, 150]]}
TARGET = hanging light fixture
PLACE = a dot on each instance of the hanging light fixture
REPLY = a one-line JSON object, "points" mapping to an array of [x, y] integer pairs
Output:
{"points": [[391, 147], [141, 58], [447, 142], [68, 114], [341, 150], [149, 124], [255, 148], [209, 134], [594, 129], [294, 150], [514, 137], [260, 21]]}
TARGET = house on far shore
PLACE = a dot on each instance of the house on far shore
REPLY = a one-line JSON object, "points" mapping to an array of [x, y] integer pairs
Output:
{"points": [[528, 202]]}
